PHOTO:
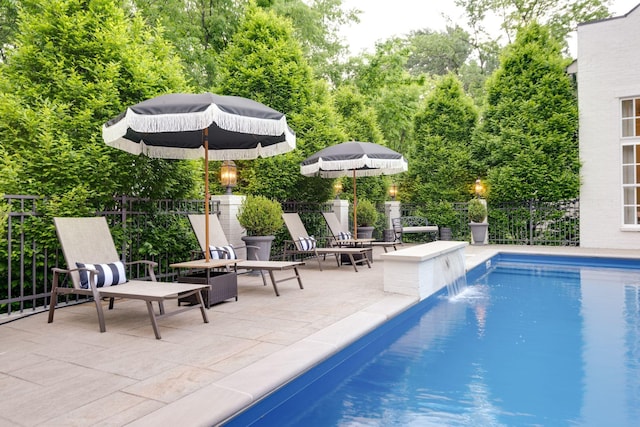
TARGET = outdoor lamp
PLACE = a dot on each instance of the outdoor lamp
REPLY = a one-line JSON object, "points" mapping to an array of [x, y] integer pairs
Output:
{"points": [[393, 191], [478, 187], [228, 175], [337, 188]]}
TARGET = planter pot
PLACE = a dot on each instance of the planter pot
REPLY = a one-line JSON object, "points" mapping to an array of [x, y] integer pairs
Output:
{"points": [[258, 247], [365, 232], [478, 232], [445, 233]]}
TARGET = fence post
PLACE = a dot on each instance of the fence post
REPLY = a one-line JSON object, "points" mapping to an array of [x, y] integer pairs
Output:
{"points": [[530, 222]]}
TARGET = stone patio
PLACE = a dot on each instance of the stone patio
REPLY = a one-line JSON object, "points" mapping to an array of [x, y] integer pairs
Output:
{"points": [[68, 373]]}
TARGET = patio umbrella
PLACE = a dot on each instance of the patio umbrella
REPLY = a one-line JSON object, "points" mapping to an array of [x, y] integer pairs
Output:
{"points": [[209, 126], [356, 159]]}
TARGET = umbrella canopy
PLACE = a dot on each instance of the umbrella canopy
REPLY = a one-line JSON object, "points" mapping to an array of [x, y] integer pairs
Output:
{"points": [[171, 127], [209, 126], [356, 159]]}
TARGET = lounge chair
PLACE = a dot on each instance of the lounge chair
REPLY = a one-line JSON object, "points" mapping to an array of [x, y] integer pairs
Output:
{"points": [[218, 240], [304, 244], [342, 237], [88, 241]]}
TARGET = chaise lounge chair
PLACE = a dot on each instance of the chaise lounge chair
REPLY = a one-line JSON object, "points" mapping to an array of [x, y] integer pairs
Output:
{"points": [[342, 237], [218, 240], [304, 244], [95, 270]]}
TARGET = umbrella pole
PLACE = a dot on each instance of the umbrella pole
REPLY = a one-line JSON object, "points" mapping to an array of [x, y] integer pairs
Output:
{"points": [[206, 194], [355, 208]]}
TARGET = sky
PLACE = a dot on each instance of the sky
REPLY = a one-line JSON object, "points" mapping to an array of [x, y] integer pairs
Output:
{"points": [[381, 19]]}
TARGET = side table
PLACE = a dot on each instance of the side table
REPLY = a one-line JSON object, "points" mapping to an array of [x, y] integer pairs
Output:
{"points": [[223, 285]]}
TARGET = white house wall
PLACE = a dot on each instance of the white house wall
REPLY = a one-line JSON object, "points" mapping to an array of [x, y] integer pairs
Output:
{"points": [[608, 69]]}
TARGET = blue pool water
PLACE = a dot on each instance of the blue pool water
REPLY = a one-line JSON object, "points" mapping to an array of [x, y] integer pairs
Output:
{"points": [[532, 341]]}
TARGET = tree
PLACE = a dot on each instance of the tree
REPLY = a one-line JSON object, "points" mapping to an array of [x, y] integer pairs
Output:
{"points": [[561, 16], [8, 17], [390, 89], [527, 142], [440, 161], [435, 52], [360, 122], [199, 30], [76, 64], [265, 62], [317, 26]]}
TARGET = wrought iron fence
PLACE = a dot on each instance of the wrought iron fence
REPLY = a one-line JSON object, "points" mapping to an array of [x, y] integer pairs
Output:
{"points": [[156, 230], [160, 231], [533, 222]]}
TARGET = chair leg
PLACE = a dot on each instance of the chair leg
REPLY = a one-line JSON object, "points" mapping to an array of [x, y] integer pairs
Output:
{"points": [[298, 277], [273, 282], [353, 262], [54, 297], [111, 300], [264, 280], [152, 316], [98, 301], [202, 310]]}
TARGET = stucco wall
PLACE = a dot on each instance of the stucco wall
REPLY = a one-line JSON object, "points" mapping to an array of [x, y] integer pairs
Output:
{"points": [[608, 69]]}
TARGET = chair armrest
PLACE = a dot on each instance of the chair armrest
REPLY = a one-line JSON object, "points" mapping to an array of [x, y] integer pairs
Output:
{"points": [[150, 267], [57, 271]]}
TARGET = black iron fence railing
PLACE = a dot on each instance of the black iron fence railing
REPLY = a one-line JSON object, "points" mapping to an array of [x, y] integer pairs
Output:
{"points": [[533, 222], [159, 230], [156, 230]]}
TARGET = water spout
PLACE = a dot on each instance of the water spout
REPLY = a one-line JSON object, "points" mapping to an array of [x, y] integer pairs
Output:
{"points": [[454, 273]]}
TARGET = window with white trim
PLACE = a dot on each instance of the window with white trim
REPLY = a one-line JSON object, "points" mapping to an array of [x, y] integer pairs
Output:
{"points": [[631, 160]]}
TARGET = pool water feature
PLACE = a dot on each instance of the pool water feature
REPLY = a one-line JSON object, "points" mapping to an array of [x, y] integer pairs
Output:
{"points": [[533, 340]]}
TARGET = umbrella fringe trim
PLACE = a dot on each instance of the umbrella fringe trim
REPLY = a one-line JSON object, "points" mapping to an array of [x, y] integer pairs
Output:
{"points": [[184, 122], [138, 148], [335, 168]]}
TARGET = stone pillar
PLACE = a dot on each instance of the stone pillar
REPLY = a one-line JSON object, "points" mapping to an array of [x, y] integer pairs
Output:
{"points": [[341, 209], [229, 208]]}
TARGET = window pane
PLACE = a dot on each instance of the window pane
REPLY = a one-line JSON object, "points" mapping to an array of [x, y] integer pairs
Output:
{"points": [[637, 127], [637, 110], [629, 215], [627, 127], [627, 154], [627, 174], [627, 108], [628, 196]]}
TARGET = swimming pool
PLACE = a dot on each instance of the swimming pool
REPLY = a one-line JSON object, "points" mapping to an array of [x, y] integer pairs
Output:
{"points": [[533, 340]]}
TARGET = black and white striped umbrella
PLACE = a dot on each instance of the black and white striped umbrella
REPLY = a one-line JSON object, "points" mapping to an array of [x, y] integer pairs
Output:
{"points": [[209, 126], [355, 159]]}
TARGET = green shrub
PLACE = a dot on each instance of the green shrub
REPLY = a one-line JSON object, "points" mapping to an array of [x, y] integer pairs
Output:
{"points": [[260, 216], [477, 210], [366, 213]]}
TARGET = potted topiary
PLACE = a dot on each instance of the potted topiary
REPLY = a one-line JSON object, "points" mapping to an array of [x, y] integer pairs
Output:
{"points": [[367, 216], [478, 215], [262, 218]]}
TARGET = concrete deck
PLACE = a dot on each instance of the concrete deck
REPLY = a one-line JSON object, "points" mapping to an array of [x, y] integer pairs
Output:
{"points": [[68, 373]]}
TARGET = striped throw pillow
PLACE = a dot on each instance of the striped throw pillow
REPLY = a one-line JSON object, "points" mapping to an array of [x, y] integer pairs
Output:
{"points": [[223, 252], [307, 243], [108, 274], [344, 235]]}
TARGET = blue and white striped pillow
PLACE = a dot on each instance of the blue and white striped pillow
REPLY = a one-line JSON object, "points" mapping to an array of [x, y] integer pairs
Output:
{"points": [[344, 235], [223, 252], [108, 274], [307, 243]]}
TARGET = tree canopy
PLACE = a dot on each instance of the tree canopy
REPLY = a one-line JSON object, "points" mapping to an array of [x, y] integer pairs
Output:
{"points": [[527, 141], [75, 65]]}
